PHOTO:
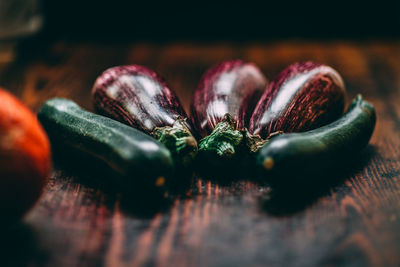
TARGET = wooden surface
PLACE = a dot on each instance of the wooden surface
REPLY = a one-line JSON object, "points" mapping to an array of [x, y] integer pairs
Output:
{"points": [[353, 223]]}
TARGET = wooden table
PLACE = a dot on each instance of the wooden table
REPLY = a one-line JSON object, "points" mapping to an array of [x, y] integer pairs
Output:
{"points": [[353, 223]]}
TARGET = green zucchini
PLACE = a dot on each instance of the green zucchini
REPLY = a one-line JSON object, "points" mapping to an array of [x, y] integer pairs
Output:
{"points": [[297, 157], [136, 158]]}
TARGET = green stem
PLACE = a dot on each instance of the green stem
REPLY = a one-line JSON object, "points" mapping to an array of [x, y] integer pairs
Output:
{"points": [[179, 140], [224, 141]]}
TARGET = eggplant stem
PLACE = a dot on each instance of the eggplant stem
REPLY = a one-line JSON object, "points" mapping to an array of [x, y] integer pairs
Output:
{"points": [[253, 142], [179, 140], [224, 139]]}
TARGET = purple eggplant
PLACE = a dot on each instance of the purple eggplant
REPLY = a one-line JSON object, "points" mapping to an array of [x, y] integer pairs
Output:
{"points": [[137, 96], [302, 97], [223, 103]]}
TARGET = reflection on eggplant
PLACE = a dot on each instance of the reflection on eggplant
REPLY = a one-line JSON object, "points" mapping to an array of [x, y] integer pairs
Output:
{"points": [[232, 87], [302, 97]]}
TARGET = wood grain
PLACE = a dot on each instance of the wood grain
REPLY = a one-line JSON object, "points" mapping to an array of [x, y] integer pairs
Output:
{"points": [[79, 223]]}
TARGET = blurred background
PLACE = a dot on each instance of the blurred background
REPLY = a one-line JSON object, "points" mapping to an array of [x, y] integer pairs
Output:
{"points": [[118, 20]]}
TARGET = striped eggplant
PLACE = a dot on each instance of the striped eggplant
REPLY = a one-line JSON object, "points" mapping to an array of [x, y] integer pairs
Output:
{"points": [[302, 97], [137, 96], [223, 103]]}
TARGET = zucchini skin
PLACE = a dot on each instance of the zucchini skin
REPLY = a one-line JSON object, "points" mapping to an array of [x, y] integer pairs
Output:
{"points": [[138, 159], [300, 157]]}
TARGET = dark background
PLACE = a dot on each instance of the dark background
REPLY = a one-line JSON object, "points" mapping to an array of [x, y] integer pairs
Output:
{"points": [[119, 20]]}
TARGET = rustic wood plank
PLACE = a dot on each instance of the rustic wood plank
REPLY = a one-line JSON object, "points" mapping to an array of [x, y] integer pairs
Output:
{"points": [[79, 223]]}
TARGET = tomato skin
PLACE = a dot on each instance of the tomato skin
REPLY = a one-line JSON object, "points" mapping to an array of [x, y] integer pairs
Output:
{"points": [[25, 158]]}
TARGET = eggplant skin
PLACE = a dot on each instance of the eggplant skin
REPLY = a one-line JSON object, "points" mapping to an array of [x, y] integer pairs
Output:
{"points": [[231, 87], [304, 96], [136, 96]]}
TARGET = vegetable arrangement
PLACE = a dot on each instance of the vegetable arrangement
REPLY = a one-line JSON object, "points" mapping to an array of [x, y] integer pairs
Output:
{"points": [[288, 128]]}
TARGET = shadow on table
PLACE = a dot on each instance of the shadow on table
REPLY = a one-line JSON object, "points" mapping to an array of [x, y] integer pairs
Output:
{"points": [[90, 172], [224, 172], [19, 246], [296, 197]]}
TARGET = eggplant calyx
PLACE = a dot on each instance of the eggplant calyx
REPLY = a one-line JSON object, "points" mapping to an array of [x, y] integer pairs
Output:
{"points": [[253, 143], [179, 140], [224, 139]]}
